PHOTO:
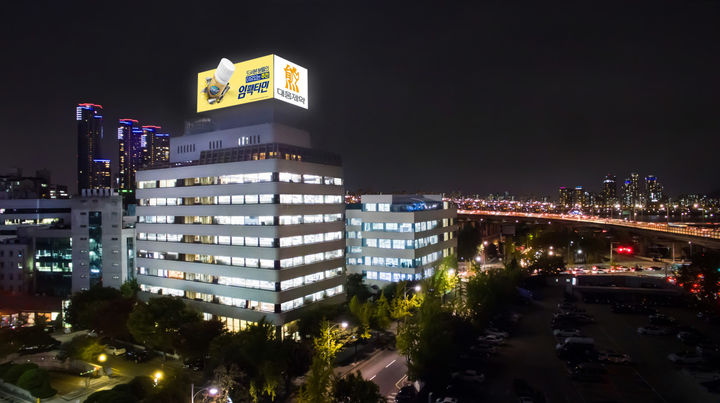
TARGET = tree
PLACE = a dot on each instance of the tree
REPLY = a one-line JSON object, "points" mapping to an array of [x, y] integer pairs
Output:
{"points": [[326, 347], [195, 337], [37, 382], [355, 287], [130, 288], [85, 305], [157, 323], [427, 340], [230, 381], [469, 238], [266, 362], [382, 313], [363, 314], [702, 276], [84, 348], [354, 389]]}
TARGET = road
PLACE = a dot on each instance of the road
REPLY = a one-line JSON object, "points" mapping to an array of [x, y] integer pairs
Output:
{"points": [[387, 369]]}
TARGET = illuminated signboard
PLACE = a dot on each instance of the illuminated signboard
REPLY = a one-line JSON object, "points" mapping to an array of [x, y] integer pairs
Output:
{"points": [[252, 80]]}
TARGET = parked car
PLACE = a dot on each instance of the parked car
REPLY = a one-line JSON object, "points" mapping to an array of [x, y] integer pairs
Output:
{"points": [[38, 348], [685, 357], [496, 332], [137, 356], [446, 400], [653, 330], [661, 320], [115, 350], [195, 364], [469, 375], [588, 372], [406, 394], [689, 337], [496, 340], [613, 357], [566, 333]]}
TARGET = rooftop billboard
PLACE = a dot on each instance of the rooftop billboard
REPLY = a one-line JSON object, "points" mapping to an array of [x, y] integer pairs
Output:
{"points": [[253, 80]]}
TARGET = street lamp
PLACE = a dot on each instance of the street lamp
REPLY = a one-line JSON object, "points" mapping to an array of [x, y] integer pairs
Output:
{"points": [[211, 390], [157, 376], [418, 288], [344, 325], [102, 358]]}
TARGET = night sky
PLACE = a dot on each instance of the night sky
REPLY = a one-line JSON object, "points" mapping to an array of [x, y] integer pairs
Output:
{"points": [[476, 98]]}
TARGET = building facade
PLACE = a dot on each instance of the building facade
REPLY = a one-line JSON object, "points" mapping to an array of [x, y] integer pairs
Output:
{"points": [[15, 267], [244, 230], [399, 237], [97, 241]]}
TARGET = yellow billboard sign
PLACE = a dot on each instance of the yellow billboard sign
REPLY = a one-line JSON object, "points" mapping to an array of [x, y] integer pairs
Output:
{"points": [[252, 80]]}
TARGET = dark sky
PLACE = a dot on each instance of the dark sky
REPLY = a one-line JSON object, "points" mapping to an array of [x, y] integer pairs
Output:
{"points": [[482, 97]]}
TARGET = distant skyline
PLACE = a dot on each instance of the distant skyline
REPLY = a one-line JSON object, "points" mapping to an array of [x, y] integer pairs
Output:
{"points": [[479, 98]]}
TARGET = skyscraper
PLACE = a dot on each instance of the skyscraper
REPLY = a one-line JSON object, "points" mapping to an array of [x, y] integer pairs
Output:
{"points": [[632, 195], [102, 174], [157, 146], [138, 146], [565, 198], [130, 153], [89, 137], [609, 192], [653, 190]]}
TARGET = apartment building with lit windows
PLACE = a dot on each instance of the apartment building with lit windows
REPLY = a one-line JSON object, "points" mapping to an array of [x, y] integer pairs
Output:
{"points": [[394, 238], [245, 223]]}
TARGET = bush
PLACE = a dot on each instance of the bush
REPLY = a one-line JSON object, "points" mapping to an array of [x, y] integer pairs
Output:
{"points": [[133, 391], [13, 373], [37, 382], [111, 396]]}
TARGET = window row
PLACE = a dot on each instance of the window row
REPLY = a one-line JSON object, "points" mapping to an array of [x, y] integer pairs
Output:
{"points": [[243, 261], [396, 277], [310, 239], [394, 261], [242, 241], [243, 220], [400, 243], [243, 178], [309, 279], [311, 258], [399, 227], [241, 199], [244, 303]]}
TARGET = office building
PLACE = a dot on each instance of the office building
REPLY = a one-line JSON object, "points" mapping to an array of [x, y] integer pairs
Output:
{"points": [[89, 136], [15, 185], [399, 237], [247, 224], [98, 244]]}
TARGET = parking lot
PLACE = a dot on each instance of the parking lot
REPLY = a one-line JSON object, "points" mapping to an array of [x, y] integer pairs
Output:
{"points": [[530, 355]]}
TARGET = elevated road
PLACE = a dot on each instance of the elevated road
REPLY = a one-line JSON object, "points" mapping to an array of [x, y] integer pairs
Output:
{"points": [[708, 237]]}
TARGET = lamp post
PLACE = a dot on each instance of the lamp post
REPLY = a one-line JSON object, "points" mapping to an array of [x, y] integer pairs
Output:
{"points": [[157, 376], [611, 252], [212, 391]]}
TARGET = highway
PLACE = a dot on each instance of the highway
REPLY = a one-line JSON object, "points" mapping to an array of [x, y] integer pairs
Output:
{"points": [[679, 229]]}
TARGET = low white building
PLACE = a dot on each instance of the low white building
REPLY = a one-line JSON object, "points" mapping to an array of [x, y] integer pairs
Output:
{"points": [[399, 237]]}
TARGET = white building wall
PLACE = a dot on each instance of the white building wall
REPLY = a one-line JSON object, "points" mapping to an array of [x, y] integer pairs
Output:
{"points": [[110, 209], [374, 249], [216, 262]]}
